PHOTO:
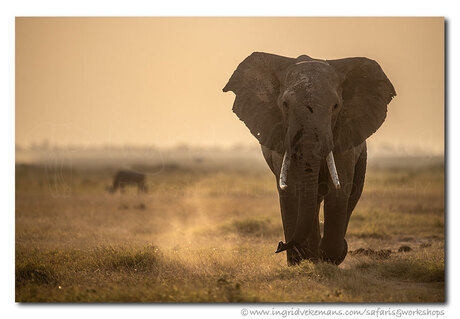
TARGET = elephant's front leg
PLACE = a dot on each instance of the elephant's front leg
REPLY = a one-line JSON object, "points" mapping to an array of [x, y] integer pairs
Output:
{"points": [[333, 246]]}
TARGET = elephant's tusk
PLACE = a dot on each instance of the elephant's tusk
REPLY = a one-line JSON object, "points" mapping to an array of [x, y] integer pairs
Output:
{"points": [[333, 170], [284, 170]]}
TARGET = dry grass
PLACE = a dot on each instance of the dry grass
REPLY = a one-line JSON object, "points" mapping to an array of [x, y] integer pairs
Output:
{"points": [[209, 236]]}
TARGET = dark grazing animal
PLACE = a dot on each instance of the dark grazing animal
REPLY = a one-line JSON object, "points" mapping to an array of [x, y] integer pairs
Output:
{"points": [[128, 178]]}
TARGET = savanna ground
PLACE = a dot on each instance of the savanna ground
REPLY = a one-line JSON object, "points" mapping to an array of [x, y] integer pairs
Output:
{"points": [[209, 235]]}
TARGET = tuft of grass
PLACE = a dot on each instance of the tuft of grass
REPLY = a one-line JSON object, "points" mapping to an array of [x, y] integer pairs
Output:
{"points": [[308, 269], [413, 269], [36, 273], [229, 291], [124, 259], [252, 226]]}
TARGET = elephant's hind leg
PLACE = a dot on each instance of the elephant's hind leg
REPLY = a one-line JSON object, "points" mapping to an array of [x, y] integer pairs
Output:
{"points": [[358, 184]]}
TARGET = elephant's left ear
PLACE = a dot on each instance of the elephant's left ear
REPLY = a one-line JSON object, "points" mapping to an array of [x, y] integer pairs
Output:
{"points": [[366, 92]]}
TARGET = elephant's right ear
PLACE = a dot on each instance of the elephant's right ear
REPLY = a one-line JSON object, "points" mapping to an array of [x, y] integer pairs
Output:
{"points": [[256, 85]]}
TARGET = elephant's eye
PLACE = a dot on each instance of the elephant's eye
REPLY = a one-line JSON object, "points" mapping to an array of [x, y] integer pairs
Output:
{"points": [[336, 106], [285, 105]]}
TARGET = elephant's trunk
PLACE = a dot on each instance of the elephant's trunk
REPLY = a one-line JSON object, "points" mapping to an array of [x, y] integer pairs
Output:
{"points": [[307, 144], [307, 194]]}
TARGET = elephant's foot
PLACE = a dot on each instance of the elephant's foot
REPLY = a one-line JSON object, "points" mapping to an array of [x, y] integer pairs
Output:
{"points": [[333, 255], [296, 253], [293, 257]]}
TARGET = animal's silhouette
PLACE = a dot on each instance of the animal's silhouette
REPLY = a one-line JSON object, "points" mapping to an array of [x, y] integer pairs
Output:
{"points": [[125, 178]]}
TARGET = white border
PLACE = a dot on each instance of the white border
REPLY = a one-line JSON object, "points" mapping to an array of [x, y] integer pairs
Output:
{"points": [[201, 8]]}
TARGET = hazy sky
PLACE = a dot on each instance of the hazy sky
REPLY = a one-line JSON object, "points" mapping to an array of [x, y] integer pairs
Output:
{"points": [[158, 81]]}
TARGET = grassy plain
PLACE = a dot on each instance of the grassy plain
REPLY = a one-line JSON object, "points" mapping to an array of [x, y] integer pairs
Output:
{"points": [[209, 235]]}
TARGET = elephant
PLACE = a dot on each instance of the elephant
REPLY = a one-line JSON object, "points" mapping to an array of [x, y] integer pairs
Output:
{"points": [[312, 118], [124, 177]]}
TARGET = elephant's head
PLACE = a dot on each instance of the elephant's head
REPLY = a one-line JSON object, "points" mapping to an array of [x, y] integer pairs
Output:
{"points": [[306, 108]]}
